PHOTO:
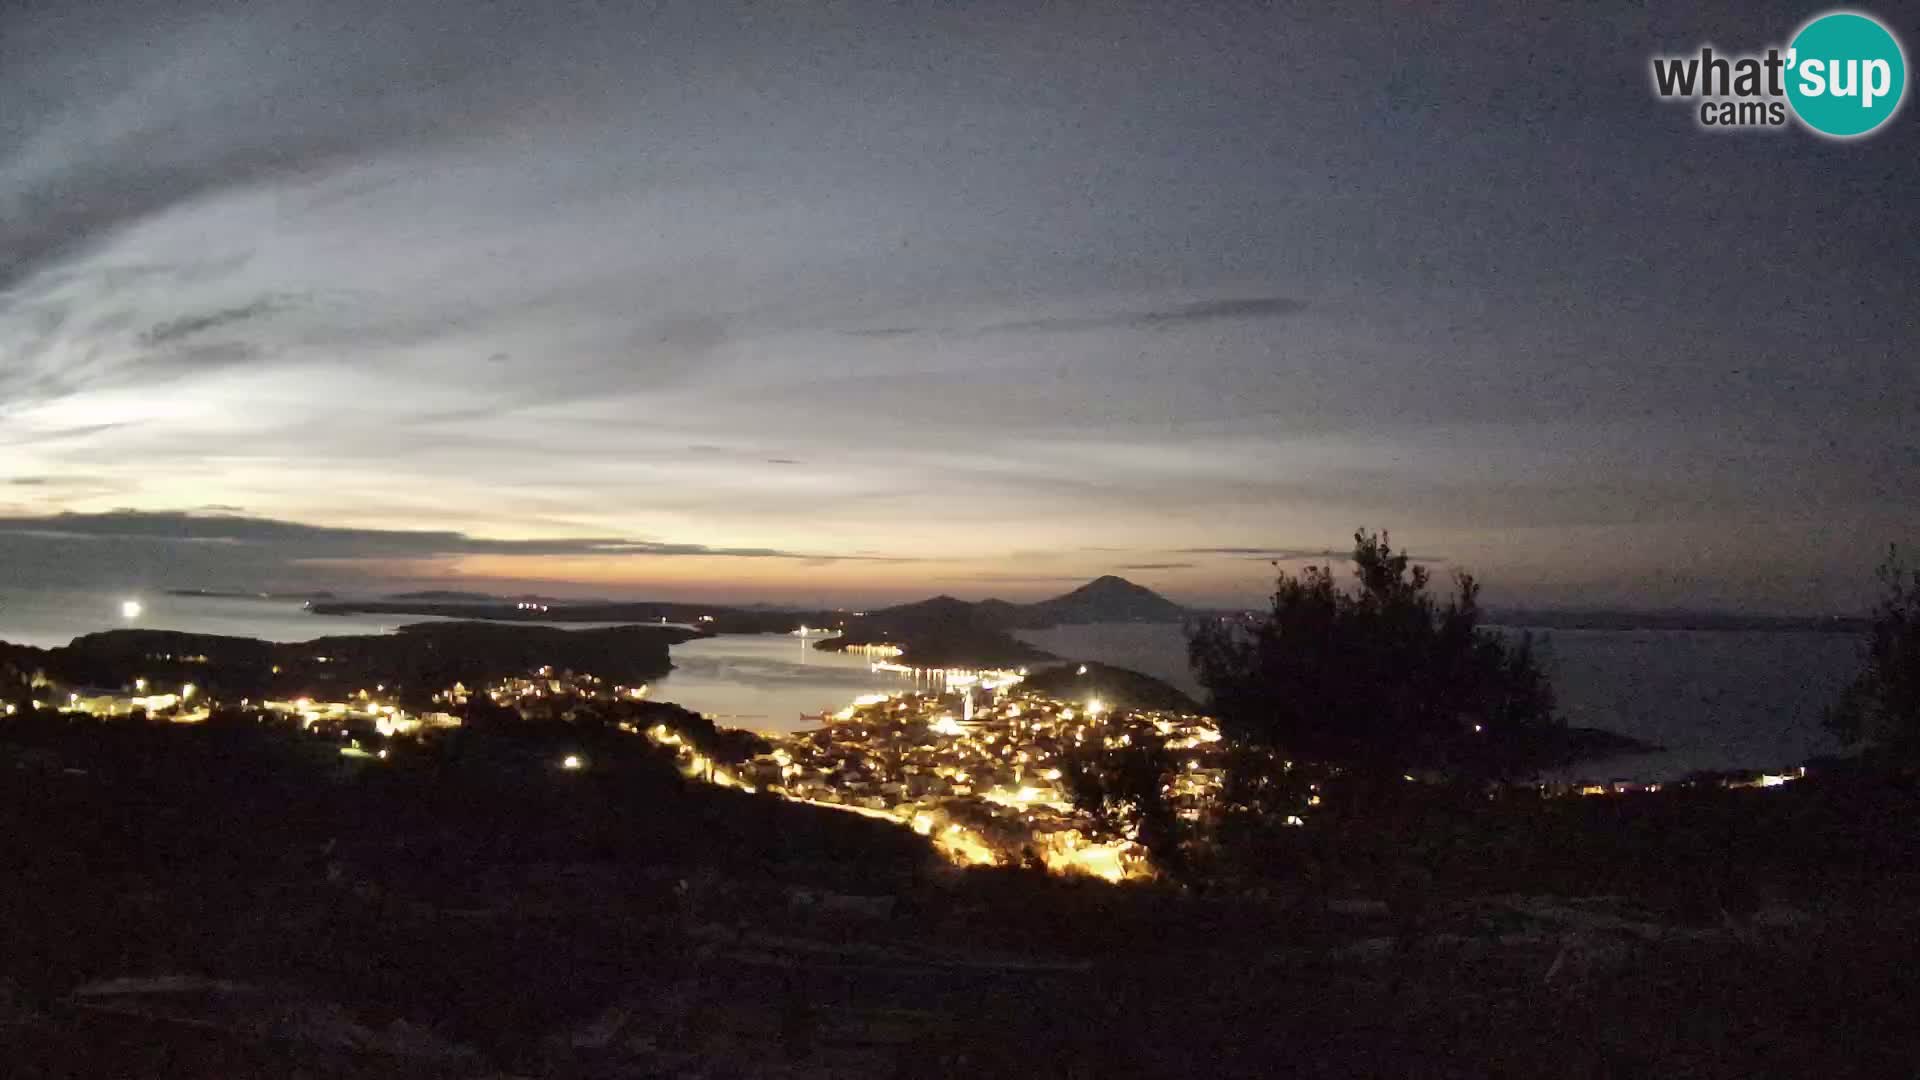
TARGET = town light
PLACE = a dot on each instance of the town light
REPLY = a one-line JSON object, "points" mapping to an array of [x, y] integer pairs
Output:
{"points": [[572, 761]]}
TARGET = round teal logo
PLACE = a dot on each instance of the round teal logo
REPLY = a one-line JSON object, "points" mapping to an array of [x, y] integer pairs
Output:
{"points": [[1846, 75]]}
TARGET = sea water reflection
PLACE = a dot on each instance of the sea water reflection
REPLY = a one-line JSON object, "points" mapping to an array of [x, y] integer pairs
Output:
{"points": [[770, 682]]}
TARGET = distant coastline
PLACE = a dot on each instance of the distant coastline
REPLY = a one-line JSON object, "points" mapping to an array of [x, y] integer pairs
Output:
{"points": [[237, 594], [1520, 619]]}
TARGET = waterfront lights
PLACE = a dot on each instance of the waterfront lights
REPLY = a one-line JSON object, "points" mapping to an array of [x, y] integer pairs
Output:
{"points": [[572, 762], [130, 609]]}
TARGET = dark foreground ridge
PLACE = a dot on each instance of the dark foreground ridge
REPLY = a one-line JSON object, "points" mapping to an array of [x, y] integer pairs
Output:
{"points": [[231, 899]]}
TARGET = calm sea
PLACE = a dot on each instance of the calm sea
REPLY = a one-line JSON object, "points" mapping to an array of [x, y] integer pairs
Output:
{"points": [[761, 681], [52, 617], [1712, 699], [769, 682]]}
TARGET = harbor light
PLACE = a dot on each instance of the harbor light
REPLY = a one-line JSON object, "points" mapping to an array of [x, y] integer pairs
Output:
{"points": [[572, 761]]}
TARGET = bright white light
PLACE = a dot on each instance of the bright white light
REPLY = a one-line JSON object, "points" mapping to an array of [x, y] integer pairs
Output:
{"points": [[1082, 671], [572, 761], [130, 609]]}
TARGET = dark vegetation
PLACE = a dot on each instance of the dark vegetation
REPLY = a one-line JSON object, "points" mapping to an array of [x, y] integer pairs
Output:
{"points": [[469, 883], [1881, 709], [471, 889], [1381, 679], [1118, 687], [1374, 704], [562, 713]]}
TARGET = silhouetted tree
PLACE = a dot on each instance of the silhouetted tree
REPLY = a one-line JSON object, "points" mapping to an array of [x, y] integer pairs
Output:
{"points": [[16, 687], [727, 746], [481, 713], [1882, 706], [1125, 792], [1379, 680]]}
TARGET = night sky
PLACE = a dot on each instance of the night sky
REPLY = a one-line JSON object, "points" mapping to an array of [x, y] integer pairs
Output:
{"points": [[850, 302]]}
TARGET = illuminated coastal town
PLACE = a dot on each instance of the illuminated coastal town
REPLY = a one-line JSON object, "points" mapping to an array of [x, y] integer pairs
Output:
{"points": [[984, 781], [972, 759]]}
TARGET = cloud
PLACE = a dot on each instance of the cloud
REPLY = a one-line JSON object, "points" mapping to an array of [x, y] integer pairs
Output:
{"points": [[1158, 566], [1265, 552], [187, 326], [1258, 307], [206, 102], [1014, 579], [1288, 554], [1138, 318], [1114, 294], [294, 540], [63, 434], [886, 331]]}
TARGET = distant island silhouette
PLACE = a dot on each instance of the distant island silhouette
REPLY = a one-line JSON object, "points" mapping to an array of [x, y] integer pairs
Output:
{"points": [[939, 631]]}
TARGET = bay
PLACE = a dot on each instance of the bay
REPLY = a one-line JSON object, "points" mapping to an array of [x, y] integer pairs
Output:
{"points": [[1711, 699], [773, 682], [49, 618]]}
